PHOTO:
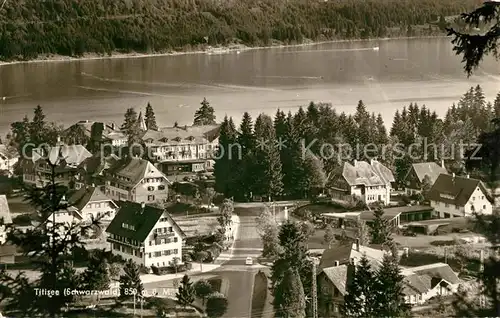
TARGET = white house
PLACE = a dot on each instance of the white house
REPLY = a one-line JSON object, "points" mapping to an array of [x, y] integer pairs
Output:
{"points": [[136, 180], [424, 282], [146, 234], [5, 217], [92, 203], [368, 181], [183, 149], [455, 196], [7, 159]]}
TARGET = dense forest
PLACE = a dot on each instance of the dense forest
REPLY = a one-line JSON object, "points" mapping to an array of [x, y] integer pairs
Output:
{"points": [[34, 28]]}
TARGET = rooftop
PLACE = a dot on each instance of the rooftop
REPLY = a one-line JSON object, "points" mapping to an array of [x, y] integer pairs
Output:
{"points": [[344, 253], [456, 190], [131, 171], [142, 218], [368, 174], [182, 135], [85, 195], [431, 169]]}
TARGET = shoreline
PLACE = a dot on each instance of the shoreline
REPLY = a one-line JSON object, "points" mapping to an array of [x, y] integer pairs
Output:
{"points": [[227, 49]]}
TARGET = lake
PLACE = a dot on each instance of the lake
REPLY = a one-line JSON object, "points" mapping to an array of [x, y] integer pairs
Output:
{"points": [[385, 74]]}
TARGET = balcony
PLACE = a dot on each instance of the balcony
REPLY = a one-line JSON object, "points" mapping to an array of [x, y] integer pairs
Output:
{"points": [[159, 236]]}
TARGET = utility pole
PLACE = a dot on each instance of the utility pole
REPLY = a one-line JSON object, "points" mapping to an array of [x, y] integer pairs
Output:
{"points": [[314, 291]]}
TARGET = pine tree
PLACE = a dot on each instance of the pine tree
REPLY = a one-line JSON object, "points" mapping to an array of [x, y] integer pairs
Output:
{"points": [[360, 299], [205, 115], [389, 282], [186, 292], [38, 127], [329, 237], [150, 118], [131, 127], [268, 165], [289, 296], [362, 119], [130, 281], [227, 159], [246, 140], [49, 247], [96, 275], [496, 106], [380, 229]]}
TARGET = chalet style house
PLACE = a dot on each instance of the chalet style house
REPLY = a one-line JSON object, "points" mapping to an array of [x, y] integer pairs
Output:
{"points": [[92, 203], [455, 196], [5, 218], [369, 182], [336, 271], [414, 180], [93, 170], [137, 180], [37, 171], [183, 149], [145, 234]]}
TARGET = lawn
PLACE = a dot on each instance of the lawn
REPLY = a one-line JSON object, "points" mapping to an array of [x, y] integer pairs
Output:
{"points": [[216, 284]]}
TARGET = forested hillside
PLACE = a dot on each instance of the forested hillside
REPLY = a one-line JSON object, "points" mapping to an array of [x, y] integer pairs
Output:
{"points": [[30, 28]]}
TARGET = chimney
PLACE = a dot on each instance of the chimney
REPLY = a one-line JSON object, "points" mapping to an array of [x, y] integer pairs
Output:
{"points": [[336, 263], [442, 164], [357, 244]]}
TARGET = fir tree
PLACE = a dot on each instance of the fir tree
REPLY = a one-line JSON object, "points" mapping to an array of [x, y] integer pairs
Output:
{"points": [[268, 165], [289, 298], [360, 299], [389, 284], [205, 115], [96, 275], [380, 229], [226, 159], [49, 247], [329, 237], [496, 106], [246, 166], [130, 281], [38, 127], [150, 118], [185, 294], [131, 127]]}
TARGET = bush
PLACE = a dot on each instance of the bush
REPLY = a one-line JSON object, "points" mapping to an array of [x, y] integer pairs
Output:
{"points": [[443, 243], [22, 220], [171, 269]]}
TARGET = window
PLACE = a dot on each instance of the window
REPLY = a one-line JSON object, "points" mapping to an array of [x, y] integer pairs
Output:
{"points": [[446, 205], [157, 254], [170, 229], [175, 239], [151, 197], [162, 241], [473, 198], [149, 255], [151, 188], [150, 243], [176, 251], [97, 205], [457, 207], [484, 207], [482, 197], [161, 187]]}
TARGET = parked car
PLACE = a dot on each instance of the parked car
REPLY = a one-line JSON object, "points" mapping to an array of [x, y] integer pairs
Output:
{"points": [[249, 261]]}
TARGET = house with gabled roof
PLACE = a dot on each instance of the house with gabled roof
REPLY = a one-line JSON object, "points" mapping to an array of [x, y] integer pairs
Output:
{"points": [[145, 234], [414, 179], [92, 203], [137, 180], [6, 218], [8, 158], [457, 196], [183, 149], [36, 170], [92, 170], [370, 182], [337, 267]]}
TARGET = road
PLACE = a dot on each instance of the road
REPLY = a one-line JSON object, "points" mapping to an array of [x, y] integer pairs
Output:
{"points": [[239, 276]]}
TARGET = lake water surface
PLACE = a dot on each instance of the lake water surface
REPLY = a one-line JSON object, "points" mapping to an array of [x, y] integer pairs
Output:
{"points": [[425, 71]]}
